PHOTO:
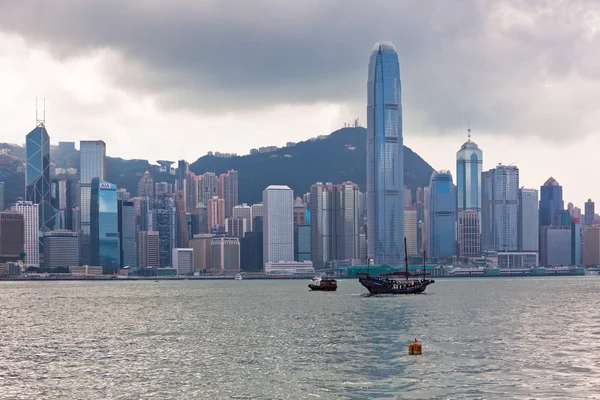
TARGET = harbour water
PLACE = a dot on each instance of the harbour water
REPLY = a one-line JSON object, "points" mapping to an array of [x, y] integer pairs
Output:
{"points": [[482, 338]]}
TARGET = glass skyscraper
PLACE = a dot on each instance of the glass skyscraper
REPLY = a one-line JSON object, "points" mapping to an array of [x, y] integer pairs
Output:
{"points": [[500, 209], [551, 202], [92, 165], [127, 234], [442, 217], [469, 161], [528, 220], [385, 170], [104, 225], [37, 176]]}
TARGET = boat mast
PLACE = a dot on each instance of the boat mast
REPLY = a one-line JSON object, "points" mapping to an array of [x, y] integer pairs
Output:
{"points": [[405, 258], [424, 268]]}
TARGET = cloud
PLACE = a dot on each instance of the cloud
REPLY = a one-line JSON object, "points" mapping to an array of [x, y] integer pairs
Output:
{"points": [[512, 68]]}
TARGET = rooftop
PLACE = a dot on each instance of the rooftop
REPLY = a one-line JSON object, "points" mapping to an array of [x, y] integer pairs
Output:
{"points": [[551, 182], [383, 45]]}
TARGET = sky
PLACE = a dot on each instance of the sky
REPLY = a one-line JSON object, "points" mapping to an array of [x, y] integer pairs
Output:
{"points": [[173, 80]]}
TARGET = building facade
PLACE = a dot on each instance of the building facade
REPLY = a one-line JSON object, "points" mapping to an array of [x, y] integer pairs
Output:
{"points": [[148, 249], [469, 163], [31, 245], [127, 234], [12, 236], [469, 235], [244, 211], [61, 249], [410, 230], [551, 201], [216, 213], [442, 215], [236, 227], [183, 261], [225, 255], [164, 221], [61, 193], [104, 226], [202, 245], [385, 169], [556, 246], [208, 187], [591, 245], [146, 185], [278, 220], [500, 209], [229, 190], [180, 211], [589, 212], [92, 155], [528, 220]]}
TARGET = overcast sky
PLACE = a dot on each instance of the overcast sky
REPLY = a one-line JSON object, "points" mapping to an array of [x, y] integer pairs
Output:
{"points": [[171, 80]]}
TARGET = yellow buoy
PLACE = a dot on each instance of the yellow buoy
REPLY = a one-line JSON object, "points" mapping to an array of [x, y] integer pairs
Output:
{"points": [[415, 349]]}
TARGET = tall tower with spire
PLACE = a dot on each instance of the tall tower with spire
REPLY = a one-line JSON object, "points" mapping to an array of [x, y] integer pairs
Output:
{"points": [[469, 163]]}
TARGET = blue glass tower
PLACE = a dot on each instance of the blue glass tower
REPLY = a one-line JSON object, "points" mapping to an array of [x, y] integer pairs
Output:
{"points": [[104, 225], [37, 176], [551, 202], [442, 219], [385, 171]]}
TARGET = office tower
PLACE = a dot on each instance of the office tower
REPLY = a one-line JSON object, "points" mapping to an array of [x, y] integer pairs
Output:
{"points": [[104, 226], [299, 212], [302, 243], [385, 169], [425, 225], [243, 211], [257, 210], [257, 217], [31, 246], [322, 224], [77, 223], [148, 249], [410, 230], [442, 215], [347, 226], [146, 185], [128, 256], [183, 260], [200, 219], [183, 167], [551, 201], [191, 195], [528, 220], [419, 195], [229, 190], [216, 213], [2, 206], [500, 209], [278, 224], [591, 245], [202, 246], [208, 187], [180, 210], [92, 155], [469, 235], [164, 221], [225, 255], [590, 212], [555, 246], [163, 189], [575, 242], [37, 176], [577, 212], [570, 209], [61, 193], [251, 252], [236, 227], [12, 236], [61, 249], [407, 197], [561, 218]]}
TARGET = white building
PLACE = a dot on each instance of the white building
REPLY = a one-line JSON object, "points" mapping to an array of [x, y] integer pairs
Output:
{"points": [[244, 211], [183, 261], [257, 210], [410, 230], [31, 221], [278, 224], [289, 267]]}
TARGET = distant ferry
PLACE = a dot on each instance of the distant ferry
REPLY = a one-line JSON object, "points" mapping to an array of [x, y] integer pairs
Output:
{"points": [[327, 285], [238, 277]]}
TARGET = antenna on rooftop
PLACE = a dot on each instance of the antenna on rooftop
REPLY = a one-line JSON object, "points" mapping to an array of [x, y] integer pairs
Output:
{"points": [[469, 131], [40, 122]]}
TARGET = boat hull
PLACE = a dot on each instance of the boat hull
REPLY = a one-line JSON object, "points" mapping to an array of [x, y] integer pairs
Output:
{"points": [[381, 286], [322, 288]]}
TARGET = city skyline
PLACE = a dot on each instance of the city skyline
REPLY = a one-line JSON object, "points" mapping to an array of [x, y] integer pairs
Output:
{"points": [[513, 107]]}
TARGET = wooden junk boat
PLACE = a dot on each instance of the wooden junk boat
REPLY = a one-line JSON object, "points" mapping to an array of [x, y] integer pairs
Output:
{"points": [[385, 284], [318, 283]]}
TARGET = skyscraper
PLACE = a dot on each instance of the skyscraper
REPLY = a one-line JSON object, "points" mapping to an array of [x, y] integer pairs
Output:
{"points": [[385, 170], [590, 212], [12, 235], [216, 213], [500, 209], [37, 176], [148, 249], [528, 224], [410, 230], [244, 211], [2, 196], [469, 235], [183, 167], [551, 201], [442, 215], [208, 186], [146, 185], [92, 165], [180, 210], [278, 238], [591, 245], [183, 259], [229, 190], [576, 239], [104, 226], [321, 223], [164, 221], [127, 234], [347, 227], [31, 215], [191, 195], [469, 162], [61, 249]]}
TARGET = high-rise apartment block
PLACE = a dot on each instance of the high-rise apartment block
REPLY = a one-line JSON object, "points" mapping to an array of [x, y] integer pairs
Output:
{"points": [[208, 186], [216, 213], [229, 190], [589, 212], [146, 185], [385, 168], [31, 246]]}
